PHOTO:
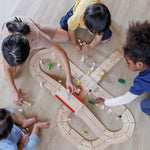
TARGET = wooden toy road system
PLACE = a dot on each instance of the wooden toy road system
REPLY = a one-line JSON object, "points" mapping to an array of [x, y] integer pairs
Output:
{"points": [[75, 105]]}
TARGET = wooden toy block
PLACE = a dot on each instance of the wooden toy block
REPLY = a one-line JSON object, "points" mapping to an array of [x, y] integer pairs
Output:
{"points": [[85, 145], [128, 128], [74, 137], [62, 116], [98, 74], [127, 116], [94, 124], [73, 103], [64, 128], [108, 137], [120, 137], [118, 109]]}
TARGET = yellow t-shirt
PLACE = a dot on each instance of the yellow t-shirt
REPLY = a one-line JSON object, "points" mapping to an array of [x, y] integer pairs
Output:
{"points": [[76, 20]]}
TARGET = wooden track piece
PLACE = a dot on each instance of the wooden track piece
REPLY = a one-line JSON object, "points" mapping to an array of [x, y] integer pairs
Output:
{"points": [[98, 145], [128, 128], [74, 70], [95, 125], [85, 145], [127, 116], [74, 103], [88, 83], [108, 63], [62, 116], [120, 137], [74, 137], [118, 109], [63, 127], [108, 137]]}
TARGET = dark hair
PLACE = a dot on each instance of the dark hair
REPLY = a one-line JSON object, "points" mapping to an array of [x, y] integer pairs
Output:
{"points": [[6, 124], [15, 47], [97, 18], [137, 46]]}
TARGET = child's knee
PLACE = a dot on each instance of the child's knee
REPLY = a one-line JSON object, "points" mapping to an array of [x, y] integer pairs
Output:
{"points": [[142, 106], [32, 143], [105, 41], [145, 106]]}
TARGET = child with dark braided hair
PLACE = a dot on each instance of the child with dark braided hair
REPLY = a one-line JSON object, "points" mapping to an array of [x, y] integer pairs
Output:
{"points": [[137, 55], [19, 36]]}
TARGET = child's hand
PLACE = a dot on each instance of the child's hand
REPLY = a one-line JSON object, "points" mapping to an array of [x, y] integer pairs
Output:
{"points": [[99, 101], [18, 98], [86, 48], [70, 86], [77, 47], [24, 139]]}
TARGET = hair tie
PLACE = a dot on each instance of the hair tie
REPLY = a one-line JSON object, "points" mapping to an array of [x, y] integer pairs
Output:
{"points": [[17, 33]]}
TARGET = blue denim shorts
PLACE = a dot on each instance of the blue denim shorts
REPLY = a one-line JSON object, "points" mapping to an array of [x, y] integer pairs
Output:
{"points": [[32, 142]]}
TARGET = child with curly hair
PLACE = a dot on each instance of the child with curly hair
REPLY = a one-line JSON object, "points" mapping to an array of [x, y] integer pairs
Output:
{"points": [[137, 55]]}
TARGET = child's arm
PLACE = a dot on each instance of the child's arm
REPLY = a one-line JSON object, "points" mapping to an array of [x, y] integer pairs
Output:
{"points": [[73, 39], [124, 99], [87, 47], [8, 72], [23, 140], [63, 57], [121, 100]]}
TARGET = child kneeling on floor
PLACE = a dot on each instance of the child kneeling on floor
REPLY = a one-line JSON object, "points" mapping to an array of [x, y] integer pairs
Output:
{"points": [[12, 138], [91, 15], [137, 55]]}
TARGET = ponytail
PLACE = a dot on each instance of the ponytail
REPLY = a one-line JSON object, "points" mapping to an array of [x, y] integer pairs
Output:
{"points": [[15, 47], [18, 26]]}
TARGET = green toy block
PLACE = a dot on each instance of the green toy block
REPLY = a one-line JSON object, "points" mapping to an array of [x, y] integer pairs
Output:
{"points": [[49, 66], [121, 81], [91, 102]]}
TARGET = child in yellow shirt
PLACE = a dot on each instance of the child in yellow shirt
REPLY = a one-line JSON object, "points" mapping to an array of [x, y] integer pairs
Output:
{"points": [[91, 15]]}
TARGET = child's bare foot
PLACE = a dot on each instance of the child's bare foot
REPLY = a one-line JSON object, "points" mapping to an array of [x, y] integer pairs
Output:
{"points": [[42, 124], [28, 122]]}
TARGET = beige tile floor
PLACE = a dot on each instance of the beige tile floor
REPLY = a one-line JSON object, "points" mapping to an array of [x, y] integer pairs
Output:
{"points": [[44, 105]]}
